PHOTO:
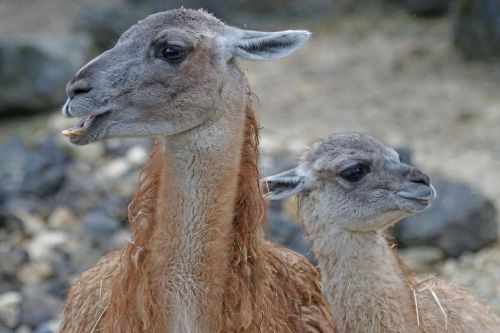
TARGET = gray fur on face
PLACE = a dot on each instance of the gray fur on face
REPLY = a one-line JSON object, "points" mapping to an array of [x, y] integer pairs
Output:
{"points": [[389, 191], [136, 92]]}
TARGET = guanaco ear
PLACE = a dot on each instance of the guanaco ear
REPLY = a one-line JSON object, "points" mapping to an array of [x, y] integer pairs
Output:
{"points": [[283, 184], [258, 45]]}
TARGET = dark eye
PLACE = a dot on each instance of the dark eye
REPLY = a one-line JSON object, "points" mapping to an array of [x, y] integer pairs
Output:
{"points": [[355, 173], [174, 53]]}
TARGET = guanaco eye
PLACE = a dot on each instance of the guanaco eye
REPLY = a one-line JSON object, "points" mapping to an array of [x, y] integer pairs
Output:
{"points": [[355, 173], [174, 53]]}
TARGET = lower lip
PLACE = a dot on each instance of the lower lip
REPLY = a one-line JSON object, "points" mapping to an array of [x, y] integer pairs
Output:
{"points": [[421, 202]]}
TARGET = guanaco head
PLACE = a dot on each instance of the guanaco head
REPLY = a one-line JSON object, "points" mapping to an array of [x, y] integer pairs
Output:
{"points": [[354, 181], [167, 74]]}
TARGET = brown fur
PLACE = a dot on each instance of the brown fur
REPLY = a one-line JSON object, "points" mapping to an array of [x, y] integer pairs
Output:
{"points": [[267, 289]]}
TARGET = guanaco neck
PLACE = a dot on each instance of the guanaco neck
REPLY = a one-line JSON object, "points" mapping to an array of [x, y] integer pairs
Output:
{"points": [[192, 241], [362, 280]]}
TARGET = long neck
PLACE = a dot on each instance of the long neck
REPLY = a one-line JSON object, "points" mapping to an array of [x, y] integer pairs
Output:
{"points": [[186, 227], [362, 281], [191, 244]]}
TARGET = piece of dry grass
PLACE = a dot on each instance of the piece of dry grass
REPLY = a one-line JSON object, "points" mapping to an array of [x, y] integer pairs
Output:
{"points": [[416, 306], [435, 298], [99, 319]]}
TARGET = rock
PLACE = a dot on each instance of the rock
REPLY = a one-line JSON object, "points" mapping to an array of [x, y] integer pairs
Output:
{"points": [[84, 254], [92, 154], [44, 169], [81, 190], [31, 223], [115, 206], [421, 259], [427, 7], [100, 226], [35, 272], [38, 306], [115, 169], [477, 28], [7, 284], [56, 288], [31, 171], [137, 155], [43, 244], [60, 263], [48, 327], [13, 257], [127, 186], [119, 240], [118, 147], [460, 219], [63, 219], [23, 215], [10, 309], [11, 167], [24, 329], [33, 77]]}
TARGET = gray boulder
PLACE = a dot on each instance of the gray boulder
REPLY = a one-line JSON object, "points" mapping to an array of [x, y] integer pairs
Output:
{"points": [[44, 169], [48, 327], [33, 75], [13, 257], [38, 306], [9, 309], [477, 28], [36, 170], [14, 154], [460, 220], [80, 191], [100, 226]]}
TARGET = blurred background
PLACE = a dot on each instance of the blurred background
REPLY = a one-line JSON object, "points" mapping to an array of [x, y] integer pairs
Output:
{"points": [[422, 75]]}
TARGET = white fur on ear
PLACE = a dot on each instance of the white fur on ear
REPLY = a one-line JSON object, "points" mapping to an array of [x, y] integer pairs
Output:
{"points": [[258, 45], [283, 184]]}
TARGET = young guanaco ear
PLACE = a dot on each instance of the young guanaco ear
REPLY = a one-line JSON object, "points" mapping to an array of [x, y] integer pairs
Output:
{"points": [[259, 45], [284, 184]]}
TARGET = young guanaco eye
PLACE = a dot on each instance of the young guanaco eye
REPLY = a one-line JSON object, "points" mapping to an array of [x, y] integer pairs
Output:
{"points": [[174, 53], [355, 173]]}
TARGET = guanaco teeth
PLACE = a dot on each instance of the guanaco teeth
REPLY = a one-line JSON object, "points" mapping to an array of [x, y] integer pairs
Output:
{"points": [[72, 132]]}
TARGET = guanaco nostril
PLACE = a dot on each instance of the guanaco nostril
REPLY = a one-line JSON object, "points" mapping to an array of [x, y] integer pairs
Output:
{"points": [[420, 178], [420, 181], [81, 91], [77, 88]]}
